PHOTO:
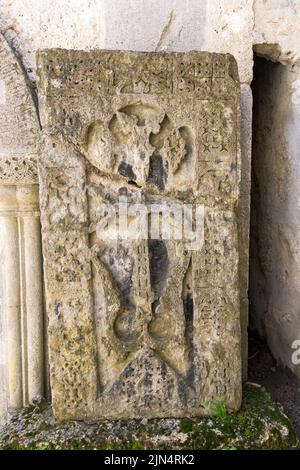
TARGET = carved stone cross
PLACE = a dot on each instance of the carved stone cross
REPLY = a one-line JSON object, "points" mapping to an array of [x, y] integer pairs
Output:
{"points": [[144, 327]]}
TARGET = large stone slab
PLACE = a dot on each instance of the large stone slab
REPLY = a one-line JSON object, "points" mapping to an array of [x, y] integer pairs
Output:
{"points": [[140, 327]]}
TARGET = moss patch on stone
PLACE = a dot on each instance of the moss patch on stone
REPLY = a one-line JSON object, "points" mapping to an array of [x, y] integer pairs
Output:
{"points": [[260, 424]]}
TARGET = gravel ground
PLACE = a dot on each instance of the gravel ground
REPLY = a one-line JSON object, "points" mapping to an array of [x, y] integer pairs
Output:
{"points": [[280, 382]]}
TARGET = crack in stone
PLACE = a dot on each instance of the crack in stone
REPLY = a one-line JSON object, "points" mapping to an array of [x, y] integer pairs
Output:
{"points": [[165, 30]]}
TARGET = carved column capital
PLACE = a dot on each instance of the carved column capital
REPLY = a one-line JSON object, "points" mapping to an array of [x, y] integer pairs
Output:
{"points": [[28, 198], [8, 198], [17, 199]]}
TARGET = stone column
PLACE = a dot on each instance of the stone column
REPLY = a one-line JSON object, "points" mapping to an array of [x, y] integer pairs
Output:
{"points": [[32, 295], [11, 294], [22, 309]]}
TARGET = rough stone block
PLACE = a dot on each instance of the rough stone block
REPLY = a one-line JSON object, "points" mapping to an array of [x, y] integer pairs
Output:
{"points": [[146, 327]]}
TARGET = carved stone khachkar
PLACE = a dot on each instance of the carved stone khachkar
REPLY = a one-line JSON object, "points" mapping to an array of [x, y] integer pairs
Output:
{"points": [[21, 289], [140, 328]]}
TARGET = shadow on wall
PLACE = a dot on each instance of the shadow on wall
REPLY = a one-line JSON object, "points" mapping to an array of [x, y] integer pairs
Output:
{"points": [[274, 288]]}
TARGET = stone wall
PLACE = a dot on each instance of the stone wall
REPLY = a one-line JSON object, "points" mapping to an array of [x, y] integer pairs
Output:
{"points": [[274, 289]]}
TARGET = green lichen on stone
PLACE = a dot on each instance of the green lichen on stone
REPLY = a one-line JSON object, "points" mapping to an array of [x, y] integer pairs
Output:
{"points": [[260, 424]]}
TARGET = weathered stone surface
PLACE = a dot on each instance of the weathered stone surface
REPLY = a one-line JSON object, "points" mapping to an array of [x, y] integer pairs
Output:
{"points": [[18, 123], [140, 328], [260, 424], [276, 30], [206, 25], [243, 216]]}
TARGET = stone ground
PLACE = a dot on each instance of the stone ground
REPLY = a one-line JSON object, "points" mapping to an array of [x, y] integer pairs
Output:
{"points": [[283, 386], [260, 424]]}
